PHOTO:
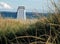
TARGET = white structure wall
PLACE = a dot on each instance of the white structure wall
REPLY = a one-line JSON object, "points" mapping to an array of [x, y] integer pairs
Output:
{"points": [[21, 13]]}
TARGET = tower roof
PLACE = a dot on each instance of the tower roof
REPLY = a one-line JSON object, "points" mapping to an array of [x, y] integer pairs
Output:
{"points": [[21, 7]]}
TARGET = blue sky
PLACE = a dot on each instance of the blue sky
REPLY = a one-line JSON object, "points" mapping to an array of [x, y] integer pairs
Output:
{"points": [[30, 5]]}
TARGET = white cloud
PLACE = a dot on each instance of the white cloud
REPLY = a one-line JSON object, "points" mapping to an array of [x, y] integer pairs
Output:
{"points": [[5, 5]]}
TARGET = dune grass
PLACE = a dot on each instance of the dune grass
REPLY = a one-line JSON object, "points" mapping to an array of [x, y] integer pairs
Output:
{"points": [[42, 31]]}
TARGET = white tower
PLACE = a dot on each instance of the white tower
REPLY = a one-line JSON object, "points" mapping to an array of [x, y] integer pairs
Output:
{"points": [[21, 13]]}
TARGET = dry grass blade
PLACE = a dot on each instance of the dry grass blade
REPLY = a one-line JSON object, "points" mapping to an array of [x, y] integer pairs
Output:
{"points": [[48, 40], [29, 37], [37, 42]]}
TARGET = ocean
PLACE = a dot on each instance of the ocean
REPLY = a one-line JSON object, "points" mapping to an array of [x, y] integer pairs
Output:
{"points": [[29, 15]]}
